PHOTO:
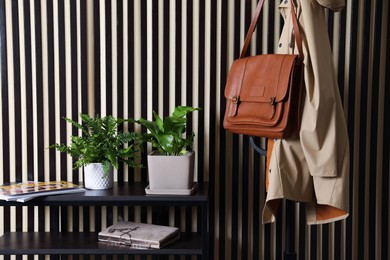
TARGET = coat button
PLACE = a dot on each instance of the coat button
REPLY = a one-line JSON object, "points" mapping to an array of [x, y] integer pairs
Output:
{"points": [[280, 44]]}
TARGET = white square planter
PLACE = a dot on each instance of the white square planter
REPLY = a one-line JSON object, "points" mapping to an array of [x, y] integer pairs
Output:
{"points": [[171, 172]]}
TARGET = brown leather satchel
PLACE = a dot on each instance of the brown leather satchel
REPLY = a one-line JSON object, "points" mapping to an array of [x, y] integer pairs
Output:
{"points": [[263, 92]]}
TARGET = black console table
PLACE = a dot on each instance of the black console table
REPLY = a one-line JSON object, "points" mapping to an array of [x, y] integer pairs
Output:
{"points": [[86, 243]]}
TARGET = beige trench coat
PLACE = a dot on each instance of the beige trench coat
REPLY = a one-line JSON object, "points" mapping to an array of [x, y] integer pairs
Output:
{"points": [[314, 167]]}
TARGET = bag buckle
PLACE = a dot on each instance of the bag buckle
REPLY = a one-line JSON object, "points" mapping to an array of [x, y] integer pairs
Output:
{"points": [[272, 101], [235, 99], [234, 105]]}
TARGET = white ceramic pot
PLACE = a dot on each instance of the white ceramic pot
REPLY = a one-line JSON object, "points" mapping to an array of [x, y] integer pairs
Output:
{"points": [[96, 179], [171, 172]]}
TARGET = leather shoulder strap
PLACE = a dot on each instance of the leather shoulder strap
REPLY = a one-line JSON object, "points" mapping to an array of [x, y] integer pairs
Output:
{"points": [[253, 25], [297, 33]]}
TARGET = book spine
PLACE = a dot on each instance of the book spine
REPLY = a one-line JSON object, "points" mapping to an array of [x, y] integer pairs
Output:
{"points": [[129, 243]]}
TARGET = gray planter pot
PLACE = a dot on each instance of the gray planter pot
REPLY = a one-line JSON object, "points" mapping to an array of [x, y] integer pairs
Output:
{"points": [[171, 172], [96, 179]]}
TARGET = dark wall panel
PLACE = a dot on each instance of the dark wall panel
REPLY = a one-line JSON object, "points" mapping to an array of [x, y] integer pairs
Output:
{"points": [[60, 58]]}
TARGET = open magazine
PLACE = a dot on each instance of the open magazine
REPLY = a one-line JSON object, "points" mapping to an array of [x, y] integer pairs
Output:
{"points": [[25, 191]]}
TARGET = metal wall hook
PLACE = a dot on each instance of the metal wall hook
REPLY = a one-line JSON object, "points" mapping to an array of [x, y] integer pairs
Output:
{"points": [[258, 149]]}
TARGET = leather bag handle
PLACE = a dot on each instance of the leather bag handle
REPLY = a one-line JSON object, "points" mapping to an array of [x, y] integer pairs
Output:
{"points": [[253, 25]]}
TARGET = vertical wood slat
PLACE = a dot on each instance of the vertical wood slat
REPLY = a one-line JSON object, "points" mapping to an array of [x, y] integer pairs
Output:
{"points": [[385, 205], [43, 61]]}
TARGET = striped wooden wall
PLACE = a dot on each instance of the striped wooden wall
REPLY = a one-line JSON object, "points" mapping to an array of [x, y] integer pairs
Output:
{"points": [[129, 57]]}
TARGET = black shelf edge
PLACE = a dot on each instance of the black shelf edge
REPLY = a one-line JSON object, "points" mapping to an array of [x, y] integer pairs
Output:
{"points": [[120, 195], [86, 243]]}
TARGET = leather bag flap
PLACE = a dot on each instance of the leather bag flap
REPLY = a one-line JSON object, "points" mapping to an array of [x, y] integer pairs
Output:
{"points": [[260, 78]]}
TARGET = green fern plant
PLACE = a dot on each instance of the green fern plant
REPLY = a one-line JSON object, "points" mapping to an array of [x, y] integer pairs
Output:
{"points": [[167, 135], [101, 142]]}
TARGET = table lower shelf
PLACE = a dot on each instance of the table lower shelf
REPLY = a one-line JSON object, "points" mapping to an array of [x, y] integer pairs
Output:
{"points": [[86, 243]]}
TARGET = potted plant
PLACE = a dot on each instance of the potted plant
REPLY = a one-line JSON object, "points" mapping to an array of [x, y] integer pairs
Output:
{"points": [[100, 148], [171, 163]]}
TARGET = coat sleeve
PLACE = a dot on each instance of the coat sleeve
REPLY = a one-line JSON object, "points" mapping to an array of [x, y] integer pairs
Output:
{"points": [[334, 5]]}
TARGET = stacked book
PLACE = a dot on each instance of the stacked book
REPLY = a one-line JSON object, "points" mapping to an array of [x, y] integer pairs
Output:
{"points": [[25, 191], [139, 235]]}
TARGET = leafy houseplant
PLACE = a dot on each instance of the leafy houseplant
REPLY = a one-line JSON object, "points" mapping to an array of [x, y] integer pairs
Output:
{"points": [[101, 142], [167, 135], [171, 167]]}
